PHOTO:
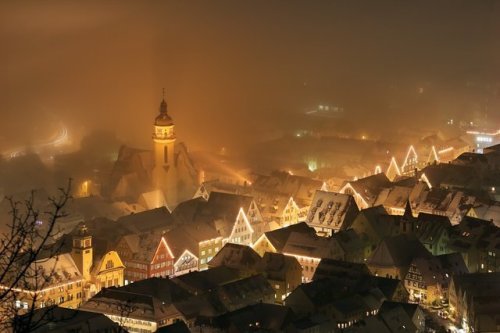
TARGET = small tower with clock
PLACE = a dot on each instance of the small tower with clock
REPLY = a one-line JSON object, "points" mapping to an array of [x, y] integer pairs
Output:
{"points": [[82, 251]]}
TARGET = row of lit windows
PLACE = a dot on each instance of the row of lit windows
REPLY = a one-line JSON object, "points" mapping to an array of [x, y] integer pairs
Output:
{"points": [[414, 276], [209, 251], [240, 230], [203, 260], [239, 240], [68, 286], [416, 284], [24, 305], [162, 264], [130, 264], [109, 283]]}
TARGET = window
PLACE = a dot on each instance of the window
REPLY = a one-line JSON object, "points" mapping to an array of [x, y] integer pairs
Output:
{"points": [[109, 264], [165, 154]]}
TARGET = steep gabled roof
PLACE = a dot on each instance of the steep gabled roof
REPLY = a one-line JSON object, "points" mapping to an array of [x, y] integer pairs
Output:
{"points": [[227, 204], [159, 218], [187, 211], [162, 288], [398, 251], [121, 302], [236, 256], [179, 240], [349, 240], [270, 317], [394, 197], [310, 245], [429, 227], [280, 182], [279, 237], [198, 282], [454, 175], [369, 187], [276, 265], [330, 209], [61, 320], [331, 267], [381, 223], [240, 293], [220, 211]]}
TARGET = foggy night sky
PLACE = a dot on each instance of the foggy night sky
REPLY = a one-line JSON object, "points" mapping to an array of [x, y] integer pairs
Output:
{"points": [[233, 68]]}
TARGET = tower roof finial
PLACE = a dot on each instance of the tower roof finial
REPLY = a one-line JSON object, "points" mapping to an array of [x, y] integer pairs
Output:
{"points": [[163, 104], [163, 119]]}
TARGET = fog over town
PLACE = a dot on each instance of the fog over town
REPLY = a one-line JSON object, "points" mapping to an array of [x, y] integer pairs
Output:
{"points": [[174, 138]]}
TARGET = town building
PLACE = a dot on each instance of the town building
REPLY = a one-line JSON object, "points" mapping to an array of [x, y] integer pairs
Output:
{"points": [[478, 241], [344, 299], [239, 257], [63, 320], [366, 190], [428, 278], [275, 240], [167, 167], [233, 216], [299, 241], [143, 306], [473, 300], [284, 273], [145, 255], [433, 231], [77, 270], [330, 212], [393, 256], [283, 198]]}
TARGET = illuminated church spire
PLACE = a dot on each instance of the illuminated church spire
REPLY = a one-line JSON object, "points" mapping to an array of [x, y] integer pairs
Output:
{"points": [[165, 173]]}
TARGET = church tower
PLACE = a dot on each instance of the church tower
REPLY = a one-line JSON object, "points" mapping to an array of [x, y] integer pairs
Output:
{"points": [[82, 251], [164, 172]]}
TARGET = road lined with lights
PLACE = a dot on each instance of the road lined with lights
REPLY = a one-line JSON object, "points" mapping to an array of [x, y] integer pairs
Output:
{"points": [[60, 138]]}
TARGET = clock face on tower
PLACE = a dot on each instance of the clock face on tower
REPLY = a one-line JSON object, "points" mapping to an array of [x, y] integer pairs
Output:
{"points": [[163, 132]]}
